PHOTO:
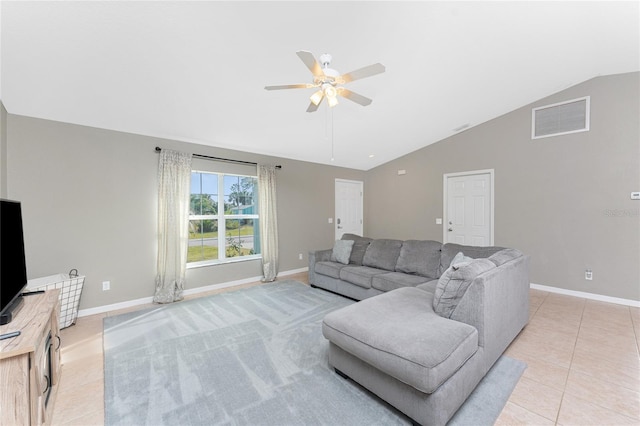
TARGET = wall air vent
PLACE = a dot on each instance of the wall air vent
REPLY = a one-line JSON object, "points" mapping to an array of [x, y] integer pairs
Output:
{"points": [[560, 119]]}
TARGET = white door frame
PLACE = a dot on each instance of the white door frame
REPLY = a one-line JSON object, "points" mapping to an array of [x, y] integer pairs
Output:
{"points": [[335, 215], [445, 200]]}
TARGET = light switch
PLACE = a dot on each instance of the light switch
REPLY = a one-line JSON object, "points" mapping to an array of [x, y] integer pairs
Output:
{"points": [[330, 220], [635, 195], [439, 221]]}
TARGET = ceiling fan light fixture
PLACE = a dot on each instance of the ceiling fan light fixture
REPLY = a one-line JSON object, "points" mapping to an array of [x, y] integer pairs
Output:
{"points": [[329, 91], [316, 98]]}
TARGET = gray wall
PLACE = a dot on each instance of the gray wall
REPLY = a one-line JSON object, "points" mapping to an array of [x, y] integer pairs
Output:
{"points": [[564, 200], [89, 197], [89, 202]]}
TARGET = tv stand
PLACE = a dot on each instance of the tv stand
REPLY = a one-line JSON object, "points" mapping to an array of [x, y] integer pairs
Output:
{"points": [[30, 362], [13, 310]]}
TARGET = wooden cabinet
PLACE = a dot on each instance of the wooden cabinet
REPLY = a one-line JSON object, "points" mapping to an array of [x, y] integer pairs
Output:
{"points": [[30, 363]]}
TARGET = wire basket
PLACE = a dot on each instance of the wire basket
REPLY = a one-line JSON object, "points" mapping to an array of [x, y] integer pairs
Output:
{"points": [[70, 286]]}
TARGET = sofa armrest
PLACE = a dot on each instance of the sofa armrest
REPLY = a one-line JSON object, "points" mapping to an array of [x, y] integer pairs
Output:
{"points": [[317, 256], [497, 305]]}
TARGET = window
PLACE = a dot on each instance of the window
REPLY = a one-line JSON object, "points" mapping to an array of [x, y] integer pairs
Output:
{"points": [[223, 218]]}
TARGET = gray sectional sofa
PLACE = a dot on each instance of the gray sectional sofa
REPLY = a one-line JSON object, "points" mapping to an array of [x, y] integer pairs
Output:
{"points": [[378, 266], [441, 316]]}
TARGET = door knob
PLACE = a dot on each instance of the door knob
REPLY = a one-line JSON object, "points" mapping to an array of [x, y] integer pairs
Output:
{"points": [[450, 229]]}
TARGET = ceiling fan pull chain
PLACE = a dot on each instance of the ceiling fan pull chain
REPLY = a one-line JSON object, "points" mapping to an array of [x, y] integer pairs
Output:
{"points": [[326, 124], [331, 133]]}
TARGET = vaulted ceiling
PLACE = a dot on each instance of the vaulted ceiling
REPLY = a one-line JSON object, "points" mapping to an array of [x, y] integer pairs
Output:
{"points": [[196, 71]]}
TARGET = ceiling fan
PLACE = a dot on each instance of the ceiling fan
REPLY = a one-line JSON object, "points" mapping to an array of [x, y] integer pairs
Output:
{"points": [[328, 81]]}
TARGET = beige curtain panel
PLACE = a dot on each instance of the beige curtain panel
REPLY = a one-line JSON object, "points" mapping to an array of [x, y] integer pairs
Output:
{"points": [[267, 211], [174, 179]]}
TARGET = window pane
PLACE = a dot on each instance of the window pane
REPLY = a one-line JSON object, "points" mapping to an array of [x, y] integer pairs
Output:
{"points": [[251, 196], [209, 183], [204, 194], [239, 194], [196, 184], [203, 240], [209, 204], [240, 238], [195, 205], [252, 235]]}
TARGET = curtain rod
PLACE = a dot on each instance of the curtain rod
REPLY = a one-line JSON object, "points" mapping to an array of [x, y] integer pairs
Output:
{"points": [[227, 160]]}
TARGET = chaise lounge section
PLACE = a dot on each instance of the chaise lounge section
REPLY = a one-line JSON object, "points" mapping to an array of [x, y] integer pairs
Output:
{"points": [[423, 348]]}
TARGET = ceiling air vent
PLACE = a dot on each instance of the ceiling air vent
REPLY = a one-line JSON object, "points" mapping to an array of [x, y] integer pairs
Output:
{"points": [[560, 119]]}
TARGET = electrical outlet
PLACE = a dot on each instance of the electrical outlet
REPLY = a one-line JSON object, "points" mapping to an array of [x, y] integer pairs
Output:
{"points": [[299, 256], [106, 285], [588, 274]]}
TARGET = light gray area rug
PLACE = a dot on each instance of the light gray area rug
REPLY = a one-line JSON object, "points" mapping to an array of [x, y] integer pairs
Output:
{"points": [[251, 357]]}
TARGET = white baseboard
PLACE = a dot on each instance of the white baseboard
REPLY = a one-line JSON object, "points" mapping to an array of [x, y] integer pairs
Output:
{"points": [[584, 295], [293, 271], [146, 300], [114, 307]]}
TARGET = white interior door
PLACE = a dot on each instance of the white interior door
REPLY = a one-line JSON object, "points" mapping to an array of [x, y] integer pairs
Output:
{"points": [[349, 202], [468, 207]]}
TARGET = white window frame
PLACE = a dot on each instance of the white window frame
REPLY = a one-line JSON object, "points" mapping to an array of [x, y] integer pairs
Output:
{"points": [[222, 218]]}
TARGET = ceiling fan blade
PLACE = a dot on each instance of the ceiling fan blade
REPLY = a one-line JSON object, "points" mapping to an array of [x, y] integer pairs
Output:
{"points": [[290, 86], [311, 63], [312, 107], [367, 71], [352, 96]]}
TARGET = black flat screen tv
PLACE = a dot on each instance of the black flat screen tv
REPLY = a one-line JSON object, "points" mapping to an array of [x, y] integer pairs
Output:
{"points": [[13, 267]]}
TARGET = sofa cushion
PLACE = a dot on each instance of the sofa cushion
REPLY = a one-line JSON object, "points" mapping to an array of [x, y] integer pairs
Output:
{"points": [[359, 275], [330, 269], [449, 250], [392, 280], [398, 333], [504, 256], [360, 245], [382, 254], [419, 258], [342, 251], [453, 284]]}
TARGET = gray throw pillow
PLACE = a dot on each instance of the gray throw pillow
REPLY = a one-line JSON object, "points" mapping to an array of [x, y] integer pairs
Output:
{"points": [[360, 245], [342, 251], [449, 250], [459, 260], [454, 283]]}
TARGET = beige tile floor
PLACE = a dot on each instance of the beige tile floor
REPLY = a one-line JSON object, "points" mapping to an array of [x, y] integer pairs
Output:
{"points": [[583, 365]]}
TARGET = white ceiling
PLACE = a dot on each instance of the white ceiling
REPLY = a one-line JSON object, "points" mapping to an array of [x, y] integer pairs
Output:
{"points": [[196, 71]]}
